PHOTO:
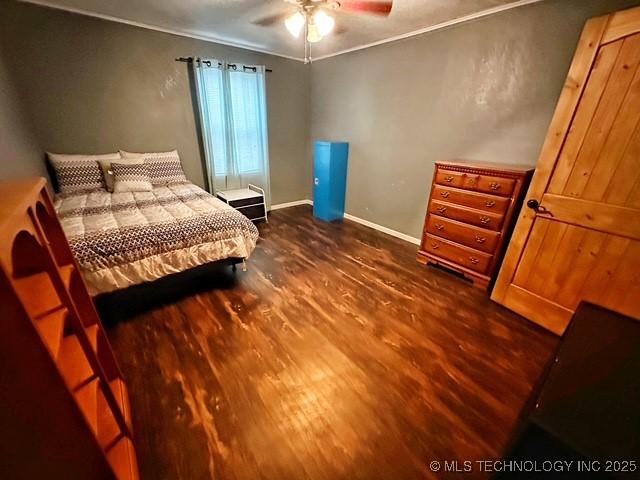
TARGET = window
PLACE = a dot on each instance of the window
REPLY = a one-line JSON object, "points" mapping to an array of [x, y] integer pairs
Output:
{"points": [[232, 104]]}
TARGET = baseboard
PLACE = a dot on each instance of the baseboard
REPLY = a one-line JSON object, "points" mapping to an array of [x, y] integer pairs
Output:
{"points": [[291, 204], [380, 228], [353, 218]]}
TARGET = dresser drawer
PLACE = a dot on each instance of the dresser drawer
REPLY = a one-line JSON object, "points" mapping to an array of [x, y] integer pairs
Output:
{"points": [[451, 178], [479, 218], [461, 255], [495, 185], [481, 201], [474, 237]]}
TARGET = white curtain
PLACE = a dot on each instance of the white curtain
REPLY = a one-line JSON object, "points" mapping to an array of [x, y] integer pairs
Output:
{"points": [[233, 114]]}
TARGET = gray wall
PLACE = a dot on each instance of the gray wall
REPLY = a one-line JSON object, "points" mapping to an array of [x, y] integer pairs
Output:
{"points": [[480, 90], [92, 86], [484, 90], [20, 154]]}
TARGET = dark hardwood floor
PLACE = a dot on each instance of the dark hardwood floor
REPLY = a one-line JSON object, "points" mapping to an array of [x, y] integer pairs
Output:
{"points": [[335, 356]]}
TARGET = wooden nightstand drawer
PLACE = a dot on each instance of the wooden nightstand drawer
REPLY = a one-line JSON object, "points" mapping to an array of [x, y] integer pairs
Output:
{"points": [[479, 218], [466, 257], [480, 201], [474, 237]]}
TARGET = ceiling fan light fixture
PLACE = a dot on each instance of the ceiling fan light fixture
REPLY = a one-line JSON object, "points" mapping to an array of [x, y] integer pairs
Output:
{"points": [[313, 34], [324, 22], [295, 24]]}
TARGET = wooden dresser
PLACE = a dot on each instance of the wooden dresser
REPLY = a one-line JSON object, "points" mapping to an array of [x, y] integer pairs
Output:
{"points": [[65, 406], [470, 215]]}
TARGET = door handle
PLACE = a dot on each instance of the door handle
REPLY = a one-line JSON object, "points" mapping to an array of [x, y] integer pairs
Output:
{"points": [[317, 181], [534, 205]]}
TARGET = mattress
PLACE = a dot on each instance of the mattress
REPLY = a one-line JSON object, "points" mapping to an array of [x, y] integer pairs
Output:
{"points": [[123, 239]]}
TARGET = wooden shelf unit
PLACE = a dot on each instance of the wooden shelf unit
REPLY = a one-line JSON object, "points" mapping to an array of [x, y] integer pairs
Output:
{"points": [[65, 404]]}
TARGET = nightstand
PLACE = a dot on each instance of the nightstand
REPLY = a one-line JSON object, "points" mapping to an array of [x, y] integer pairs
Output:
{"points": [[248, 201]]}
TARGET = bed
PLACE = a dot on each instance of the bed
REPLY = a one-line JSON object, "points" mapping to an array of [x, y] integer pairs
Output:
{"points": [[123, 239]]}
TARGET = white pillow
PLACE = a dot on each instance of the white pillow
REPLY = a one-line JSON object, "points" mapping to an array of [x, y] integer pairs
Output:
{"points": [[163, 167], [105, 165], [79, 172], [130, 177]]}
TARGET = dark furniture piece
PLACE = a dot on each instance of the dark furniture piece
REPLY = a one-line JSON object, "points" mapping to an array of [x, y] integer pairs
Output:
{"points": [[470, 216], [588, 407], [249, 201]]}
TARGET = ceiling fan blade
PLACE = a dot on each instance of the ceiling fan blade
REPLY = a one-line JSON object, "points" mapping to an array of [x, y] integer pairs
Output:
{"points": [[271, 19], [373, 7], [339, 30]]}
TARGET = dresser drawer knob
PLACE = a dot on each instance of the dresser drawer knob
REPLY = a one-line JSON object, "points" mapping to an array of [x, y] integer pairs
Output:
{"points": [[435, 246], [484, 220], [474, 260], [490, 203], [480, 239], [495, 186], [441, 209], [448, 178], [444, 194], [439, 226]]}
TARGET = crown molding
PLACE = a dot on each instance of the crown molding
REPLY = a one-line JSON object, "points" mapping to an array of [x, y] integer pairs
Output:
{"points": [[212, 39], [432, 28], [180, 33]]}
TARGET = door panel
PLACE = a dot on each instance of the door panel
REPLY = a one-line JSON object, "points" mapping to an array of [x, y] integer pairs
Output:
{"points": [[528, 260], [590, 248], [627, 174], [589, 102], [612, 116], [580, 241], [540, 310], [543, 261]]}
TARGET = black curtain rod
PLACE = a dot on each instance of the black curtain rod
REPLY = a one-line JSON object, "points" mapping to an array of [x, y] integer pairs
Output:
{"points": [[208, 62]]}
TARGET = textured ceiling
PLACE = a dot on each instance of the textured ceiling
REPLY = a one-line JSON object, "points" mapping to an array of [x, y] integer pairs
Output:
{"points": [[230, 21]]}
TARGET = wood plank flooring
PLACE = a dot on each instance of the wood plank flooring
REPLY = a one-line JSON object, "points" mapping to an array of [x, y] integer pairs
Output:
{"points": [[335, 356]]}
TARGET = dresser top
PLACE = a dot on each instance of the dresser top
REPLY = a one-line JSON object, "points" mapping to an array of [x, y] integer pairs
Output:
{"points": [[503, 167]]}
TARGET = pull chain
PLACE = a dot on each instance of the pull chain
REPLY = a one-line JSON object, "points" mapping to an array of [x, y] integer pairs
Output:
{"points": [[307, 47]]}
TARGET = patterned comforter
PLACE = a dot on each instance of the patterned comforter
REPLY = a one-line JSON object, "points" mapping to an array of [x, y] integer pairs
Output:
{"points": [[121, 239]]}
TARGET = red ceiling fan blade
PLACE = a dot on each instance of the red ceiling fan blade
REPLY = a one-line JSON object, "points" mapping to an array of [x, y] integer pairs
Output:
{"points": [[372, 7]]}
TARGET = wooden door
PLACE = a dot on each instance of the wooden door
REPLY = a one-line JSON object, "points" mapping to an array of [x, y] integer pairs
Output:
{"points": [[579, 238]]}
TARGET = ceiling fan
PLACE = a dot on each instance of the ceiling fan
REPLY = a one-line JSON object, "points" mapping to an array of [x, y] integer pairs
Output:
{"points": [[315, 18]]}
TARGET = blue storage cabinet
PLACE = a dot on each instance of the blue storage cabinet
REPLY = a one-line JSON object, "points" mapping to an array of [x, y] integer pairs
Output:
{"points": [[330, 179]]}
